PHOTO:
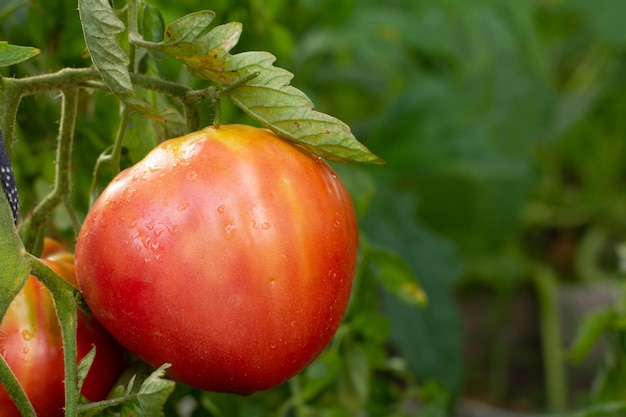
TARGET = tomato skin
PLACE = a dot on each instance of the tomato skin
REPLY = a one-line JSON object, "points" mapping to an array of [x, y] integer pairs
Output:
{"points": [[31, 343], [228, 253]]}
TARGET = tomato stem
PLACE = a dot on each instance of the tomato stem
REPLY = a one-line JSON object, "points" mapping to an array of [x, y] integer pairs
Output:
{"points": [[65, 303], [217, 97], [15, 390], [116, 152], [10, 103], [62, 184]]}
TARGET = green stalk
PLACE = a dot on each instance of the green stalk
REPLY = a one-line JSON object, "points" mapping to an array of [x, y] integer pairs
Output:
{"points": [[65, 303], [546, 286], [62, 183], [116, 152], [8, 113], [82, 77], [15, 390], [64, 152]]}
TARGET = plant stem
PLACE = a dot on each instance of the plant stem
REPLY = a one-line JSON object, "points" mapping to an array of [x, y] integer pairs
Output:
{"points": [[65, 303], [116, 152], [15, 390], [64, 152], [83, 77], [546, 286], [10, 103], [62, 183]]}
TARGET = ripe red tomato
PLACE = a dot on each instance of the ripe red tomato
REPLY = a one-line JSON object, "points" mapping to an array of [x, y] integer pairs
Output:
{"points": [[30, 341], [228, 253]]}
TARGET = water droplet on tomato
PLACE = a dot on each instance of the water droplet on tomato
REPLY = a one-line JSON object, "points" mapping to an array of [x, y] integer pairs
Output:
{"points": [[27, 335], [273, 346], [183, 206], [220, 208], [192, 175], [230, 228], [261, 225]]}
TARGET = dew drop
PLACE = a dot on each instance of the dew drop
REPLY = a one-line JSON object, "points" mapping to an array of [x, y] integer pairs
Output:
{"points": [[230, 228], [337, 223], [27, 335], [220, 208], [183, 206], [261, 225], [273, 346], [192, 175]]}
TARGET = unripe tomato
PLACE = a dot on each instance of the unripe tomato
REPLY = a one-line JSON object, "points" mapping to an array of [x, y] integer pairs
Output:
{"points": [[32, 345], [228, 253]]}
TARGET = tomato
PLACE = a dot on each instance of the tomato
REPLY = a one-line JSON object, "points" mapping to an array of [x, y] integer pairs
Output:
{"points": [[31, 343], [228, 253]]}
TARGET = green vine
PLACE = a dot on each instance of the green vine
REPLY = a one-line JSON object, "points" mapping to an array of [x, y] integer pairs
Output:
{"points": [[64, 296]]}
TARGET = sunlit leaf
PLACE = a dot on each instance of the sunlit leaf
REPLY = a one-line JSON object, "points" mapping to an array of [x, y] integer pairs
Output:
{"points": [[13, 54], [100, 27], [266, 95]]}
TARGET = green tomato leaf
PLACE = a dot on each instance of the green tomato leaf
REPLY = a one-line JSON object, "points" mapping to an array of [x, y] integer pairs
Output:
{"points": [[396, 276], [320, 375], [100, 27], [153, 24], [262, 90], [12, 54], [14, 270], [353, 387], [140, 392], [15, 264], [152, 395], [84, 366], [187, 35]]}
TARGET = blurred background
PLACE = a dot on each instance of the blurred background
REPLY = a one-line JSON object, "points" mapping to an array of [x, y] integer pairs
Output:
{"points": [[503, 128]]}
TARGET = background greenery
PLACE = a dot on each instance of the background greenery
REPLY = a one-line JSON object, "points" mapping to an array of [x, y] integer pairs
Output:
{"points": [[503, 127]]}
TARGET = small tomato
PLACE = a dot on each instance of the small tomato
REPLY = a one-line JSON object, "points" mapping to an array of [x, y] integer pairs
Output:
{"points": [[31, 343]]}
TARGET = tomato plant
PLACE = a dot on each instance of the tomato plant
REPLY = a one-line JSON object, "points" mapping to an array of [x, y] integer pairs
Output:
{"points": [[31, 343], [227, 252]]}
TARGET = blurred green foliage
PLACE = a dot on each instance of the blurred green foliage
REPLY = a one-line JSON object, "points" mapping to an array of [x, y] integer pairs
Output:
{"points": [[502, 124]]}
